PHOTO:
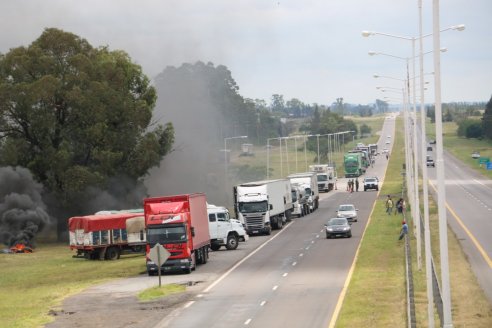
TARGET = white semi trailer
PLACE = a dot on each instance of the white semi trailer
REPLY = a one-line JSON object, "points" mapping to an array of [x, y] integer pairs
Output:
{"points": [[326, 175], [263, 205], [309, 181]]}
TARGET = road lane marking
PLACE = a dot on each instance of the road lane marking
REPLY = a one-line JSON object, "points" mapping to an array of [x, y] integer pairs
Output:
{"points": [[262, 303], [247, 322], [312, 241], [307, 248], [187, 305], [317, 236], [301, 255], [216, 282], [294, 264], [199, 295], [468, 232], [285, 274], [275, 287]]}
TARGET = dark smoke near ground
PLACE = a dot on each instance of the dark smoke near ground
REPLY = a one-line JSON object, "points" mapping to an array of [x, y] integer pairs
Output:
{"points": [[22, 211]]}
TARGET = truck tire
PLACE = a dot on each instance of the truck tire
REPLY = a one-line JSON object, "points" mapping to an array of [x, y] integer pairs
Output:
{"points": [[112, 253], [280, 223], [232, 242], [269, 231], [215, 247]]}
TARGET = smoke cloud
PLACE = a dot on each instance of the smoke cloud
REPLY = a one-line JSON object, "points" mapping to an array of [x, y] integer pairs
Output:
{"points": [[22, 211]]}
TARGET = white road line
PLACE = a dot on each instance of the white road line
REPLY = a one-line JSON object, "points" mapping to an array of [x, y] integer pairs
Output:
{"points": [[187, 305], [301, 255], [262, 303], [294, 264], [275, 287], [199, 295], [317, 236], [307, 248], [312, 241], [285, 274], [244, 259], [247, 322]]}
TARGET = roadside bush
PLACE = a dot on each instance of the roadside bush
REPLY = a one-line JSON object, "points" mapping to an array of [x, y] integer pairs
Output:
{"points": [[470, 128]]}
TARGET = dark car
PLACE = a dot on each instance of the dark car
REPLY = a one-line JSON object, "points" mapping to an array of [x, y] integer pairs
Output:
{"points": [[430, 161], [432, 142], [338, 227], [371, 183]]}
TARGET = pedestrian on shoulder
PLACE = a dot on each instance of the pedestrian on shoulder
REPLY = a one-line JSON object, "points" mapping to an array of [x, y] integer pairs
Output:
{"points": [[404, 230], [356, 184], [389, 205]]}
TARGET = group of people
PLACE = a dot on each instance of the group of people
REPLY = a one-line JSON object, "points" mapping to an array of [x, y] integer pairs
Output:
{"points": [[399, 208], [351, 183]]}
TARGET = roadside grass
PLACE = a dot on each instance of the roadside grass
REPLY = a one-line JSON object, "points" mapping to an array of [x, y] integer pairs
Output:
{"points": [[32, 284], [376, 292], [462, 148], [158, 292]]}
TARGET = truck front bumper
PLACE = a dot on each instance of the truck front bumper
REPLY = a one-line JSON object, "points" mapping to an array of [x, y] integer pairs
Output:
{"points": [[170, 265]]}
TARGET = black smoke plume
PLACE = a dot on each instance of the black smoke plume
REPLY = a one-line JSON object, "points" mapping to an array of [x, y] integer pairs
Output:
{"points": [[22, 211]]}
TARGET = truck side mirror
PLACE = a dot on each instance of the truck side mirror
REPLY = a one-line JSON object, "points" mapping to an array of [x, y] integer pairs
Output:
{"points": [[271, 207], [193, 231]]}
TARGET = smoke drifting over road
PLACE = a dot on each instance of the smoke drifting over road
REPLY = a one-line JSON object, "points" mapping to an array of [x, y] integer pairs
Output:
{"points": [[22, 211]]}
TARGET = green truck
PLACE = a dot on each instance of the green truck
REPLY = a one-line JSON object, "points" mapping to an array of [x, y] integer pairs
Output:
{"points": [[352, 163]]}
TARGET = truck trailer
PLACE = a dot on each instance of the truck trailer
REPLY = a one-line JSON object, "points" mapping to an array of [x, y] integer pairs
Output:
{"points": [[180, 224], [106, 236], [308, 181], [263, 205], [326, 176]]}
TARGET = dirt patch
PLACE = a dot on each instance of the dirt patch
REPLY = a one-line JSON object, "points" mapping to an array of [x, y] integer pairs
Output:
{"points": [[93, 310]]}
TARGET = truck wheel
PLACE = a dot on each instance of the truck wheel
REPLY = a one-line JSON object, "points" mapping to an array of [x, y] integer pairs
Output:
{"points": [[204, 255], [215, 247], [269, 231], [112, 254], [231, 242], [280, 223]]}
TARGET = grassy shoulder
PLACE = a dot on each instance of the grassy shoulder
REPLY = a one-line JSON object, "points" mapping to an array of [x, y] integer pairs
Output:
{"points": [[376, 293], [32, 284], [158, 292]]}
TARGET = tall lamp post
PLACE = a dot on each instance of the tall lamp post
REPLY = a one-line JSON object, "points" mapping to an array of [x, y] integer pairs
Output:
{"points": [[226, 160]]}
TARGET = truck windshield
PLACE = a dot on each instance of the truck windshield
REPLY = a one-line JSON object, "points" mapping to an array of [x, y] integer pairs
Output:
{"points": [[322, 178], [294, 196], [351, 164], [253, 207], [166, 234]]}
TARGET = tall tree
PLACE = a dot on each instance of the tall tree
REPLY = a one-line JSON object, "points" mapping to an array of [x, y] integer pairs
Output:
{"points": [[487, 120], [77, 116], [278, 103]]}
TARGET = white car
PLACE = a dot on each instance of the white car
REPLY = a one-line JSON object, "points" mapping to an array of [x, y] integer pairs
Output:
{"points": [[347, 211], [387, 142], [385, 151]]}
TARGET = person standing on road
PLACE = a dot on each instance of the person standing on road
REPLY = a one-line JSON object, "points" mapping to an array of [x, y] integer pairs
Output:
{"points": [[356, 184], [389, 205]]}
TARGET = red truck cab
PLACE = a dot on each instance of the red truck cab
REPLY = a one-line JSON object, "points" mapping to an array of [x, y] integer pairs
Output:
{"points": [[180, 224]]}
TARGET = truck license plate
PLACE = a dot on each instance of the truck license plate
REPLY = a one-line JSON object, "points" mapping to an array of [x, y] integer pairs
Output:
{"points": [[255, 231]]}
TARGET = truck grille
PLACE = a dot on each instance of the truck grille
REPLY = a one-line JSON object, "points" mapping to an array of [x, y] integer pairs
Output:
{"points": [[254, 222]]}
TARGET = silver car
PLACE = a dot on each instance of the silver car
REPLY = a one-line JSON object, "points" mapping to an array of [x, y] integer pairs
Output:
{"points": [[338, 227], [347, 211]]}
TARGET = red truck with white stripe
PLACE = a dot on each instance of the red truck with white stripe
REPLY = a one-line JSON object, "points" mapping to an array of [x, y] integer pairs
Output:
{"points": [[180, 224]]}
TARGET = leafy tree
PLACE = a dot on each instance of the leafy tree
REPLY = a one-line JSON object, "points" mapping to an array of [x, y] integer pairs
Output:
{"points": [[365, 129], [474, 130], [77, 117], [487, 120], [339, 106], [278, 103]]}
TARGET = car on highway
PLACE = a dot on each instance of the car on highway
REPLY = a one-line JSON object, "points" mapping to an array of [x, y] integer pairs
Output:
{"points": [[429, 148], [338, 227], [347, 211], [371, 183], [385, 151], [475, 155], [432, 142], [429, 161], [387, 142]]}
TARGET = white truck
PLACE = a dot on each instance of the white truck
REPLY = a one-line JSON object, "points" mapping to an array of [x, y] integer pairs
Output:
{"points": [[224, 231], [309, 182], [263, 205], [326, 175], [299, 201]]}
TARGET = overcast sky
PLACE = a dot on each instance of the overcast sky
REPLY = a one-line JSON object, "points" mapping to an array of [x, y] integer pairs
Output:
{"points": [[306, 49]]}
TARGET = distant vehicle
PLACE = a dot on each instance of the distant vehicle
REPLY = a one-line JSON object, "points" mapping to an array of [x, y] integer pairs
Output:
{"points": [[429, 148], [387, 142], [475, 155], [347, 211], [371, 183], [308, 181], [432, 142], [388, 136], [385, 150], [352, 163], [430, 161], [338, 227], [326, 175], [224, 231]]}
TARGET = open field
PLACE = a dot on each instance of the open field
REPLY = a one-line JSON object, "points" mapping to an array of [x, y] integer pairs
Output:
{"points": [[32, 284]]}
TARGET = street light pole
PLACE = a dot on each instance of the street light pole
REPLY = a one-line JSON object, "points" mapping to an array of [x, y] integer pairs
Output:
{"points": [[441, 190], [225, 162]]}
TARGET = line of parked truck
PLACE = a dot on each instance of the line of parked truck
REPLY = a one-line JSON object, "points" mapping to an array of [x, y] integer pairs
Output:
{"points": [[187, 226]]}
